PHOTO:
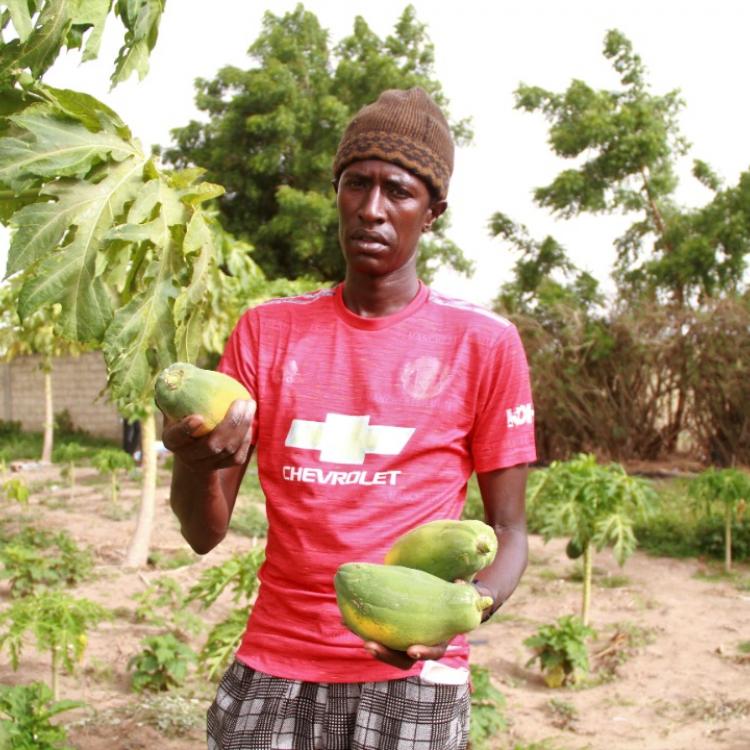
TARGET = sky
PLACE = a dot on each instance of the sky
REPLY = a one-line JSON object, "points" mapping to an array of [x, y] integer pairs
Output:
{"points": [[483, 51]]}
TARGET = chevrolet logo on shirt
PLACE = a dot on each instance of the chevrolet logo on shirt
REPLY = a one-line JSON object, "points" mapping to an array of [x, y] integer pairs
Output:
{"points": [[346, 438]]}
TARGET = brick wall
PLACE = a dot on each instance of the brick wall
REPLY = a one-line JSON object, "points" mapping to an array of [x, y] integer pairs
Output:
{"points": [[76, 386]]}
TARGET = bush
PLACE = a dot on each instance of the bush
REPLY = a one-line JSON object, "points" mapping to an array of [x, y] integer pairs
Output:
{"points": [[162, 664], [25, 713]]}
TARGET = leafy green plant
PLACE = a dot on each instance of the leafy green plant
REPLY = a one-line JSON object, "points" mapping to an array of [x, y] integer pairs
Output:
{"points": [[560, 648], [729, 489], [239, 572], [36, 559], [250, 520], [162, 664], [16, 490], [111, 461], [60, 624], [222, 642], [163, 604], [25, 718], [595, 505], [487, 709], [69, 454]]}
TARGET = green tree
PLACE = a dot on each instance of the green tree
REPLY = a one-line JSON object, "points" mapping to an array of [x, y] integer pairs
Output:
{"points": [[37, 334], [627, 144], [730, 490], [593, 504], [129, 251], [271, 134], [59, 623]]}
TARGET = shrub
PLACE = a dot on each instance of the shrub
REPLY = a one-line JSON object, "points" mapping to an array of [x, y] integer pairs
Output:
{"points": [[162, 664]]}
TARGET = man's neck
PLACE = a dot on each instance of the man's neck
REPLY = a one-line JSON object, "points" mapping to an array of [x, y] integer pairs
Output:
{"points": [[377, 296]]}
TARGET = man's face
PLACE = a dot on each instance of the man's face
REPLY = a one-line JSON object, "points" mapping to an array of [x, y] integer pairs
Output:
{"points": [[383, 210]]}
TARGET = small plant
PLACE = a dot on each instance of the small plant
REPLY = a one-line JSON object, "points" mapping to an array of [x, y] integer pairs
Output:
{"points": [[561, 650], [162, 664], [222, 643], [487, 709], [25, 718], [595, 505], [169, 561], [172, 715], [730, 490], [16, 490], [69, 454], [163, 604], [60, 624], [111, 461], [239, 572], [37, 559], [250, 520]]}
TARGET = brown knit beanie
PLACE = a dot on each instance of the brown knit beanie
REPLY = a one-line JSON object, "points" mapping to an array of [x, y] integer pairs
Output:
{"points": [[403, 127]]}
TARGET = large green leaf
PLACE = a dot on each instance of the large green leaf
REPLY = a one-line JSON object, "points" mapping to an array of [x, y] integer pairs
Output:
{"points": [[42, 46], [141, 18], [67, 275], [50, 147]]}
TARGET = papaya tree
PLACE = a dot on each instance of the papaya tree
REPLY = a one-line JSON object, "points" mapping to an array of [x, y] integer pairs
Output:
{"points": [[595, 505], [37, 334], [58, 621], [130, 251], [729, 490]]}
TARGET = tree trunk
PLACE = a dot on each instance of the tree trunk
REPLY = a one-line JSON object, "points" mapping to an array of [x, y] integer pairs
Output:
{"points": [[49, 418], [588, 569], [137, 555], [728, 538], [55, 673]]}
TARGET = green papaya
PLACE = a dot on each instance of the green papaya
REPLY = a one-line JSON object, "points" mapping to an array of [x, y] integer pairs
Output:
{"points": [[183, 389], [573, 549], [448, 549], [400, 607]]}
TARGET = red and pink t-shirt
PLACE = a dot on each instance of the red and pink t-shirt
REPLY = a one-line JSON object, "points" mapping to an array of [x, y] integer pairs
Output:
{"points": [[366, 428]]}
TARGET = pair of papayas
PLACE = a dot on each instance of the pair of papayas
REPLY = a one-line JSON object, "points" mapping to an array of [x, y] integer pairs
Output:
{"points": [[414, 597]]}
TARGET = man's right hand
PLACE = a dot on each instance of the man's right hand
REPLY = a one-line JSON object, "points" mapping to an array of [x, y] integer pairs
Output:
{"points": [[227, 445]]}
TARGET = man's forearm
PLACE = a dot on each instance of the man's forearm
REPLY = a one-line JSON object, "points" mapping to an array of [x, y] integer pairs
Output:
{"points": [[502, 576], [202, 504]]}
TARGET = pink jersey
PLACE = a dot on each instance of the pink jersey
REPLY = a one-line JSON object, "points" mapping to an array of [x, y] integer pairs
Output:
{"points": [[366, 428]]}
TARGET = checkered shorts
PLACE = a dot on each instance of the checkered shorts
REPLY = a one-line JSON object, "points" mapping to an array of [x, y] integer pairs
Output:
{"points": [[254, 711]]}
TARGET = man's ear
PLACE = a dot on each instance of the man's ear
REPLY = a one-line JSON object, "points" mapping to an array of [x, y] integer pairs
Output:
{"points": [[437, 209]]}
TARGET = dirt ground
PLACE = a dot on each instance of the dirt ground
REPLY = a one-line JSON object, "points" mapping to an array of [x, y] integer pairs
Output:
{"points": [[668, 670]]}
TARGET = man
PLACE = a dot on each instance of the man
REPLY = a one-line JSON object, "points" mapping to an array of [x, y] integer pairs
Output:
{"points": [[376, 400]]}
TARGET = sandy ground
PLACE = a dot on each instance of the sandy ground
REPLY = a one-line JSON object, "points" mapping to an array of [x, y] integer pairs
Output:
{"points": [[668, 671]]}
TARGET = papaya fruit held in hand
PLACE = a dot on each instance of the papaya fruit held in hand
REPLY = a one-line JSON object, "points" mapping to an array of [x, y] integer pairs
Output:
{"points": [[448, 549], [183, 389], [400, 607]]}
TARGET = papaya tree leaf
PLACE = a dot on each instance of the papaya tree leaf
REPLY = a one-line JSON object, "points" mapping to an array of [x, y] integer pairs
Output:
{"points": [[92, 14], [66, 275], [51, 147], [141, 18], [140, 340], [21, 18], [42, 46]]}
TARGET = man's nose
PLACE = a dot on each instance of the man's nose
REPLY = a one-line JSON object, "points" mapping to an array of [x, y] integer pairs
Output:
{"points": [[372, 209]]}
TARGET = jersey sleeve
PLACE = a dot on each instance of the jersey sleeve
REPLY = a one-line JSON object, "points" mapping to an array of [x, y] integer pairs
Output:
{"points": [[240, 357], [503, 433]]}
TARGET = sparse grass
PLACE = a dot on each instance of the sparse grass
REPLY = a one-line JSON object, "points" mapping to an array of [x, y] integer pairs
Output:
{"points": [[564, 714], [713, 572], [171, 560]]}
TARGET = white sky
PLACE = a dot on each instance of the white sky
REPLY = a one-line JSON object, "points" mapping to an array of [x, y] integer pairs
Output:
{"points": [[483, 51]]}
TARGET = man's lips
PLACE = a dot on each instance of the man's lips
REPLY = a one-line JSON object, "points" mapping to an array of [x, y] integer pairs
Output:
{"points": [[367, 238]]}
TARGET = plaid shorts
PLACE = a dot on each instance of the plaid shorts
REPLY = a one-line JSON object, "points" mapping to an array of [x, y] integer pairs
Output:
{"points": [[255, 711]]}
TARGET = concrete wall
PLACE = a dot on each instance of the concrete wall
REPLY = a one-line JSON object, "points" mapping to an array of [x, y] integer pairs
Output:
{"points": [[76, 386]]}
